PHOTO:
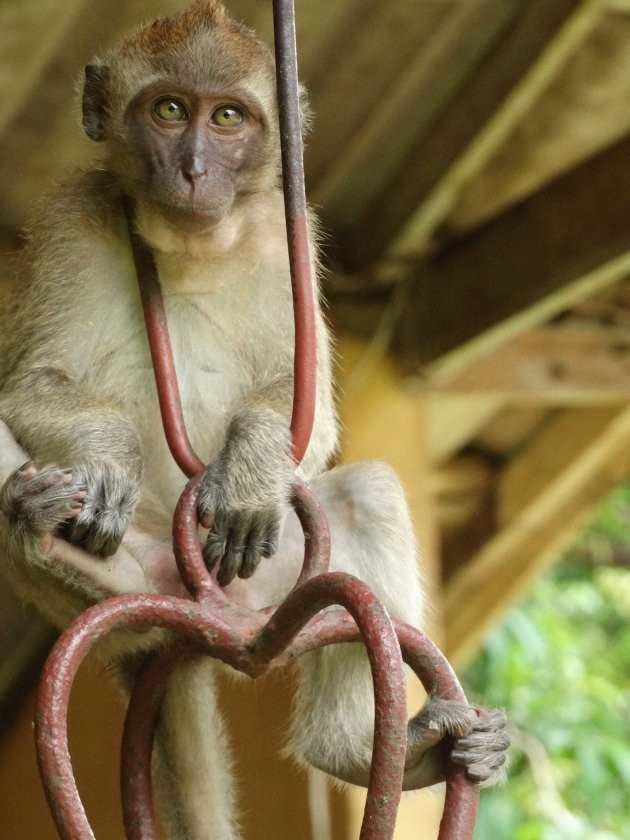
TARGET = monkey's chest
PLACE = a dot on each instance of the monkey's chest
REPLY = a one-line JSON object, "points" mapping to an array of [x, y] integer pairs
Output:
{"points": [[221, 354]]}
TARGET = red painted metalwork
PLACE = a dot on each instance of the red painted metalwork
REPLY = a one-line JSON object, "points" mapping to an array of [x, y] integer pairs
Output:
{"points": [[305, 361], [251, 642]]}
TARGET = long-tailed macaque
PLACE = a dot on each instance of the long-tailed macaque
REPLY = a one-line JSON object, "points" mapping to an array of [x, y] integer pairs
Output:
{"points": [[186, 112]]}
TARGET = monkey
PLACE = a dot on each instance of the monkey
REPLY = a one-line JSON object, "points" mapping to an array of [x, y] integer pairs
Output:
{"points": [[185, 112]]}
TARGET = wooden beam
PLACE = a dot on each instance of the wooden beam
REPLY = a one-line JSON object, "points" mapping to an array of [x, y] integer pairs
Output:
{"points": [[434, 212], [453, 419], [566, 243], [30, 33], [438, 148], [547, 495], [349, 174], [580, 113], [569, 364]]}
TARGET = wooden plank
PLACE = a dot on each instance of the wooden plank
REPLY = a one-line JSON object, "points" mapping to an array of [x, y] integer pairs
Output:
{"points": [[524, 96], [574, 464], [357, 82], [581, 113], [356, 169], [438, 149], [453, 419], [567, 364], [30, 33], [565, 243]]}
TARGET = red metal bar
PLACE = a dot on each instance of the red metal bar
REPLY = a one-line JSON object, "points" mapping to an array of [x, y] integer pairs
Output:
{"points": [[161, 352], [247, 643], [305, 359]]}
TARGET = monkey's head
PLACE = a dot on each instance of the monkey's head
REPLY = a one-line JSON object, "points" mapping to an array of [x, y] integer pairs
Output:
{"points": [[187, 108]]}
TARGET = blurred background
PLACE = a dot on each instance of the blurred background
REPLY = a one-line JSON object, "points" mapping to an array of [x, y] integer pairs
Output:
{"points": [[470, 160]]}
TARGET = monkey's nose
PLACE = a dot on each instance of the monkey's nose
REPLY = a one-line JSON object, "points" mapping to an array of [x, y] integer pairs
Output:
{"points": [[194, 169]]}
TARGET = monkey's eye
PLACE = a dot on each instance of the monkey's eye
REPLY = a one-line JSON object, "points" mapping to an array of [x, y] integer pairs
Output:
{"points": [[171, 110], [228, 116]]}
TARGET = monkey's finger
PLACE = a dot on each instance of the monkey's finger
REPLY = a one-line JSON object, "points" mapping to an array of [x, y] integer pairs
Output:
{"points": [[230, 562], [262, 541], [27, 470], [253, 545], [214, 548], [271, 539], [489, 720], [41, 480], [251, 561], [234, 548], [99, 533], [229, 567], [488, 767], [43, 502], [498, 740]]}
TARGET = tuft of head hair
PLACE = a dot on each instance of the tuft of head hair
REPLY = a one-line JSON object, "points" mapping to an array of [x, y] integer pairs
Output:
{"points": [[202, 16]]}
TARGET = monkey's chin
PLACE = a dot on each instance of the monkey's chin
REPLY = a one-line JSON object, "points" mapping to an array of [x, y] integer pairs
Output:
{"points": [[193, 220]]}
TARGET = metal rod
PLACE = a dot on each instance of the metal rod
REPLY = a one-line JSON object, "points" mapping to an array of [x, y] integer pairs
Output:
{"points": [[161, 352], [305, 359]]}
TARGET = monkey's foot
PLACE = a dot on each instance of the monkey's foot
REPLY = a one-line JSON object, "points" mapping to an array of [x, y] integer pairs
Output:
{"points": [[111, 494], [37, 502], [479, 744]]}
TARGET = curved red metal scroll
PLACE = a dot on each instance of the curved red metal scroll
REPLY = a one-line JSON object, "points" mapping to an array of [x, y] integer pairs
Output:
{"points": [[250, 641]]}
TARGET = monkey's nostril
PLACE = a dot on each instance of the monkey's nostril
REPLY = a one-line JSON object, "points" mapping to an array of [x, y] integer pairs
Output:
{"points": [[194, 169]]}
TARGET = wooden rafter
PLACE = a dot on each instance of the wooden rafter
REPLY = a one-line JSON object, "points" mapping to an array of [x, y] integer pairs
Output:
{"points": [[30, 33], [546, 494], [565, 243], [437, 150], [565, 364]]}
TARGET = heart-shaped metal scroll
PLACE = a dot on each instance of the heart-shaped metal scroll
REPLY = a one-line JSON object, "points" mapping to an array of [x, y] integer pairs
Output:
{"points": [[254, 643]]}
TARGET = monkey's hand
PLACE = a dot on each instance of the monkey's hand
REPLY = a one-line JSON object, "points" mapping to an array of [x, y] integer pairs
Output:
{"points": [[478, 741], [111, 494], [244, 492], [37, 502]]}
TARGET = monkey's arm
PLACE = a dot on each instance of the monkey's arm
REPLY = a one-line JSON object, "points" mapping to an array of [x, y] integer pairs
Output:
{"points": [[71, 268], [142, 563], [59, 423], [246, 487]]}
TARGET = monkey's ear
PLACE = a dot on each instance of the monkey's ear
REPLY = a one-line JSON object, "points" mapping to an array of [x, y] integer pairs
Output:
{"points": [[95, 100]]}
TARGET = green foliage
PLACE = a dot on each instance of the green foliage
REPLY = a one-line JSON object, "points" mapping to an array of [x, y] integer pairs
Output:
{"points": [[560, 665]]}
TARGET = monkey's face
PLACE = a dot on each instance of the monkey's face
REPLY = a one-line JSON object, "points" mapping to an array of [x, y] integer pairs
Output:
{"points": [[198, 151]]}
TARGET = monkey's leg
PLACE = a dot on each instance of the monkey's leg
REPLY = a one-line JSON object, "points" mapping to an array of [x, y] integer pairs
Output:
{"points": [[58, 422], [333, 723], [193, 765]]}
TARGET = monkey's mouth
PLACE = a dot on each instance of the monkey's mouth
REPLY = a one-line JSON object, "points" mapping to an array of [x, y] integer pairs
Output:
{"points": [[193, 217]]}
